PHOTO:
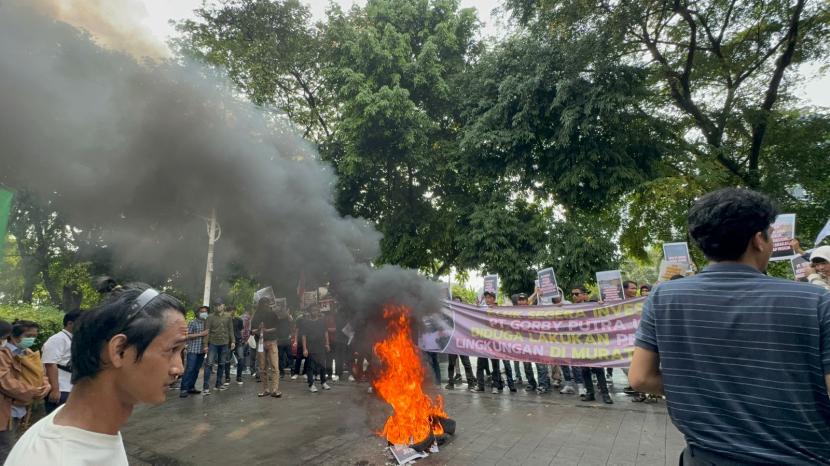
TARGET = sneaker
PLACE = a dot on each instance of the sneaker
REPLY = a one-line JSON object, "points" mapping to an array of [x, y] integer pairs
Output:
{"points": [[479, 389], [370, 389], [557, 383], [449, 386], [227, 383], [588, 397], [239, 381], [568, 390], [206, 392], [629, 391], [335, 378], [351, 378], [513, 390], [294, 377], [313, 389], [580, 389], [495, 391], [326, 386], [223, 388], [541, 390], [606, 398], [530, 388], [183, 394]]}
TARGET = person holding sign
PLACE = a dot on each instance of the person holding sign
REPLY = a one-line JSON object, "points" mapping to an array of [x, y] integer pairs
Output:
{"points": [[820, 261], [743, 358]]}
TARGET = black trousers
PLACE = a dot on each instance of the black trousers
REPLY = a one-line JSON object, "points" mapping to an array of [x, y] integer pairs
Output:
{"points": [[315, 364], [482, 367], [283, 357], [468, 368], [508, 373], [531, 380], [589, 384]]}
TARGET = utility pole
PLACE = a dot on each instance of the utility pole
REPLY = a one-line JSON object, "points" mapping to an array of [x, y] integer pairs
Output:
{"points": [[214, 232]]}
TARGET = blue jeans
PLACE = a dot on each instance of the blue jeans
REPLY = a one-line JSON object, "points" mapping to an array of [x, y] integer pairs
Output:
{"points": [[241, 352], [572, 374], [217, 356], [191, 370]]}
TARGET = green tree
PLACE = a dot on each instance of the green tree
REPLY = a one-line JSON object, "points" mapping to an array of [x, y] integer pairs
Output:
{"points": [[394, 67], [271, 51]]}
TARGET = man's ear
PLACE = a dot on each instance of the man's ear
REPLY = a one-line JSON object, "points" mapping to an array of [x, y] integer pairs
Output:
{"points": [[115, 351], [758, 241]]}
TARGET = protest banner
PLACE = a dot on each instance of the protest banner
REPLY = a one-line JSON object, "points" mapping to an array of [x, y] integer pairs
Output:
{"points": [[801, 268], [670, 269], [783, 231], [491, 283], [584, 335], [547, 285], [610, 286], [281, 305], [824, 233]]}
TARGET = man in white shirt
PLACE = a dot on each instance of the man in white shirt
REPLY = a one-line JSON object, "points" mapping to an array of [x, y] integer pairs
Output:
{"points": [[125, 352], [57, 357]]}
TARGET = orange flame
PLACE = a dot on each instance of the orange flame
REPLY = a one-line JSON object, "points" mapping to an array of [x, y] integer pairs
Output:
{"points": [[401, 384]]}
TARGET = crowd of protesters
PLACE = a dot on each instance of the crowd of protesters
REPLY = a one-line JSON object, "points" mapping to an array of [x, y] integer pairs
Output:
{"points": [[137, 345]]}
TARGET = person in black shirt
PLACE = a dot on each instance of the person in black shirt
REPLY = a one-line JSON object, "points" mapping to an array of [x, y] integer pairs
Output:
{"points": [[315, 339], [265, 329], [285, 328]]}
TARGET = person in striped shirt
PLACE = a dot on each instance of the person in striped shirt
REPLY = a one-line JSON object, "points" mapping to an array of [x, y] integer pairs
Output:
{"points": [[743, 358]]}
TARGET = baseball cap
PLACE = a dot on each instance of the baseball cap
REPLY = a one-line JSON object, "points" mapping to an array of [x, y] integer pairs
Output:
{"points": [[822, 252]]}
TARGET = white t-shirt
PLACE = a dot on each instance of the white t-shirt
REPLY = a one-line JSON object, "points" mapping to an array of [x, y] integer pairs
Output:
{"points": [[48, 444], [58, 350]]}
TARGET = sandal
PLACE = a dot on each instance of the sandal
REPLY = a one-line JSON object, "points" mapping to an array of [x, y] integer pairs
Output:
{"points": [[642, 397], [261, 394], [277, 394]]}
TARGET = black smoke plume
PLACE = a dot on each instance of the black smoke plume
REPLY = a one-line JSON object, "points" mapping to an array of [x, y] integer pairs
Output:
{"points": [[145, 151]]}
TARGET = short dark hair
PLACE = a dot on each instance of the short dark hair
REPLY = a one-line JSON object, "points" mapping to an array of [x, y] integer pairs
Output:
{"points": [[19, 327], [207, 308], [645, 286], [628, 282], [71, 316], [581, 288], [676, 277], [723, 222], [118, 315], [5, 328]]}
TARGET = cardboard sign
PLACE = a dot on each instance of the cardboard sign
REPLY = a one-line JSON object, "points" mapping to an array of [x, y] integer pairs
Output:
{"points": [[824, 233], [670, 269], [547, 285], [783, 231], [264, 293], [309, 298], [610, 286], [677, 253], [801, 268], [491, 283]]}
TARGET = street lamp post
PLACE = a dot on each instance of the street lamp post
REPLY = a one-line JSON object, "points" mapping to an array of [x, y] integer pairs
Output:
{"points": [[214, 232]]}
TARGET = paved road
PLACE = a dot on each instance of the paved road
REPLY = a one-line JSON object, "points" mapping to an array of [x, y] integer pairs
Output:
{"points": [[336, 427]]}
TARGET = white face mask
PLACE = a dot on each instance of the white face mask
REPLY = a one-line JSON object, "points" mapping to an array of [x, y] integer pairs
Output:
{"points": [[3, 342]]}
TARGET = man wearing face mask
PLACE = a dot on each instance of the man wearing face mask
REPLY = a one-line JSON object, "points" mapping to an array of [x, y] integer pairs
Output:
{"points": [[57, 359], [12, 388], [196, 333]]}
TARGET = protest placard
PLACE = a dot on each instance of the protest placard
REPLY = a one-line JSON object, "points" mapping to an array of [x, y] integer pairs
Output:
{"points": [[801, 268], [547, 285], [677, 253], [267, 292], [281, 306], [584, 335], [610, 285], [491, 283], [783, 231], [309, 298], [670, 269], [824, 233]]}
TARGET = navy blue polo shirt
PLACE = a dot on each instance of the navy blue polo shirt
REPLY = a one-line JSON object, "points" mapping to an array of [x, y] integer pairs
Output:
{"points": [[743, 358]]}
